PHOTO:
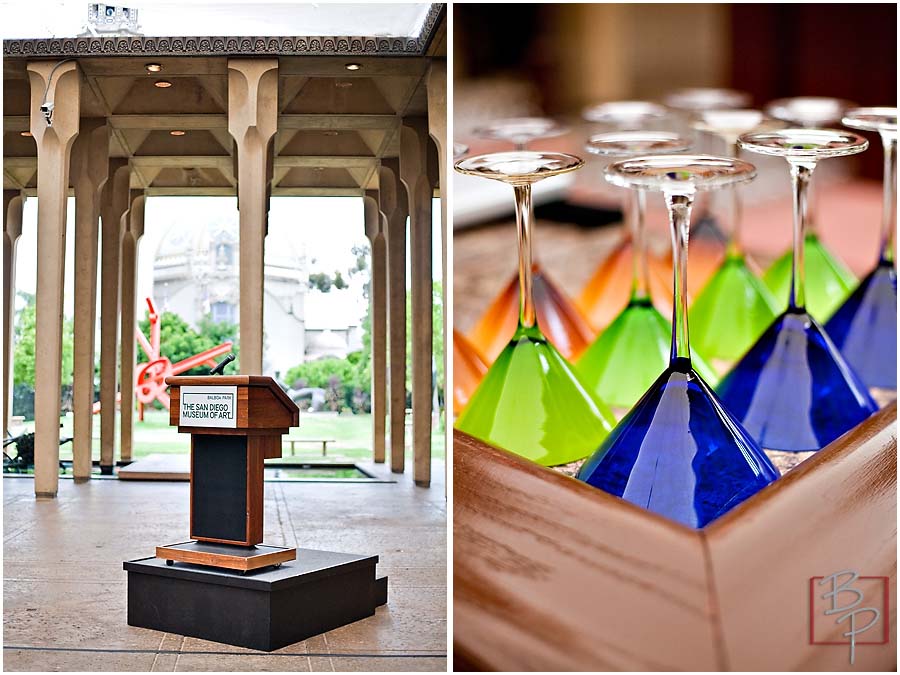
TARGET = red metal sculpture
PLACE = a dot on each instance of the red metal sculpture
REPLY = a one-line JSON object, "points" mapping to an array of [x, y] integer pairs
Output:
{"points": [[150, 377]]}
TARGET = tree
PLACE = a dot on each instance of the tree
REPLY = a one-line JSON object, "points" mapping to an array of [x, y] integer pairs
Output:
{"points": [[345, 381], [318, 373], [219, 332], [320, 281], [25, 353]]}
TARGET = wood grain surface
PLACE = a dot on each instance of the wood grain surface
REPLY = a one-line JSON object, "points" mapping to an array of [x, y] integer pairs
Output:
{"points": [[836, 511], [551, 574], [264, 557]]}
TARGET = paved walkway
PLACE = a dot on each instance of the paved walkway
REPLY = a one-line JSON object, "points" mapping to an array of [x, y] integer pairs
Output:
{"points": [[64, 587]]}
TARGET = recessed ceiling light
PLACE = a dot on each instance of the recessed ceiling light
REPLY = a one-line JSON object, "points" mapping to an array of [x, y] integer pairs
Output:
{"points": [[176, 132], [153, 67], [341, 84], [162, 84], [352, 66], [25, 133]]}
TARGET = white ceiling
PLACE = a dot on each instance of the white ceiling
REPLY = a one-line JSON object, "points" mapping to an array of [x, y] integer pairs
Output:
{"points": [[222, 18]]}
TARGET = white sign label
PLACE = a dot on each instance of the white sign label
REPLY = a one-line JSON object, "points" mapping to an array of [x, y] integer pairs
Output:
{"points": [[208, 406]]}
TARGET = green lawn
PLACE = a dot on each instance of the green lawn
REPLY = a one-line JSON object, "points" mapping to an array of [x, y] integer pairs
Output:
{"points": [[352, 433]]}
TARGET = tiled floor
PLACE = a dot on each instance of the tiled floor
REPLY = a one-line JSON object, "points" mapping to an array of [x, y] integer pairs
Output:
{"points": [[65, 589]]}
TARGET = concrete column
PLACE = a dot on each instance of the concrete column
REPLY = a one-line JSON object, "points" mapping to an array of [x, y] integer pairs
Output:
{"points": [[393, 206], [59, 83], [378, 322], [88, 175], [252, 122], [131, 238], [436, 87], [114, 203], [415, 146], [13, 201]]}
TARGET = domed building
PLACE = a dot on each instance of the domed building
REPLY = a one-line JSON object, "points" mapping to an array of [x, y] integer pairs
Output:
{"points": [[196, 273]]}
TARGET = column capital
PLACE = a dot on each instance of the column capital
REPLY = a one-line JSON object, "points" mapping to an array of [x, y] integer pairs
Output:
{"points": [[252, 98], [436, 88], [135, 224], [13, 200], [55, 85], [115, 196], [418, 159], [89, 165], [391, 191], [372, 214]]}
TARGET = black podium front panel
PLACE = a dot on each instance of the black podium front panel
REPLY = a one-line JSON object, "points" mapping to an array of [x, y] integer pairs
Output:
{"points": [[219, 487]]}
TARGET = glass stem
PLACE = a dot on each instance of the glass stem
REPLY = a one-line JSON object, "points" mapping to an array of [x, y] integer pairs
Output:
{"points": [[679, 206], [800, 177], [812, 207], [524, 229], [735, 249], [640, 275], [889, 207]]}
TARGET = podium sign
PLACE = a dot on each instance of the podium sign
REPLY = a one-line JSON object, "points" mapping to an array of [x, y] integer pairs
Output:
{"points": [[208, 407]]}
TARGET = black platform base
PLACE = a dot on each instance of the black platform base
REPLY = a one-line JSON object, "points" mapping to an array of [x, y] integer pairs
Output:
{"points": [[264, 610]]}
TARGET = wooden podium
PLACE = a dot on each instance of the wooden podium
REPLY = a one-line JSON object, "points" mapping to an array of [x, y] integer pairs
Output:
{"points": [[235, 422], [225, 585]]}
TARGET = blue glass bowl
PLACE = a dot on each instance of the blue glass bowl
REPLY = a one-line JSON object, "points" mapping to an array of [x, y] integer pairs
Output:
{"points": [[793, 390], [864, 328], [680, 453]]}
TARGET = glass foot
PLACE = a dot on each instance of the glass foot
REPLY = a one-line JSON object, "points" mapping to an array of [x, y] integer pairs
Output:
{"points": [[559, 319], [793, 390], [607, 292], [532, 403], [731, 312], [680, 453], [630, 354], [469, 368], [828, 281], [864, 328]]}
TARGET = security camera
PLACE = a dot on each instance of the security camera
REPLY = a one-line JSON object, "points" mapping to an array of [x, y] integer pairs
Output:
{"points": [[47, 110]]}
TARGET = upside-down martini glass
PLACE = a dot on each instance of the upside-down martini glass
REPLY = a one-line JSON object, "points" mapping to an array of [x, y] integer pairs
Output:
{"points": [[734, 307], [697, 99], [828, 281], [679, 451], [608, 290], [630, 354], [793, 390], [469, 366], [531, 401], [520, 131], [561, 320], [864, 328], [690, 102]]}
